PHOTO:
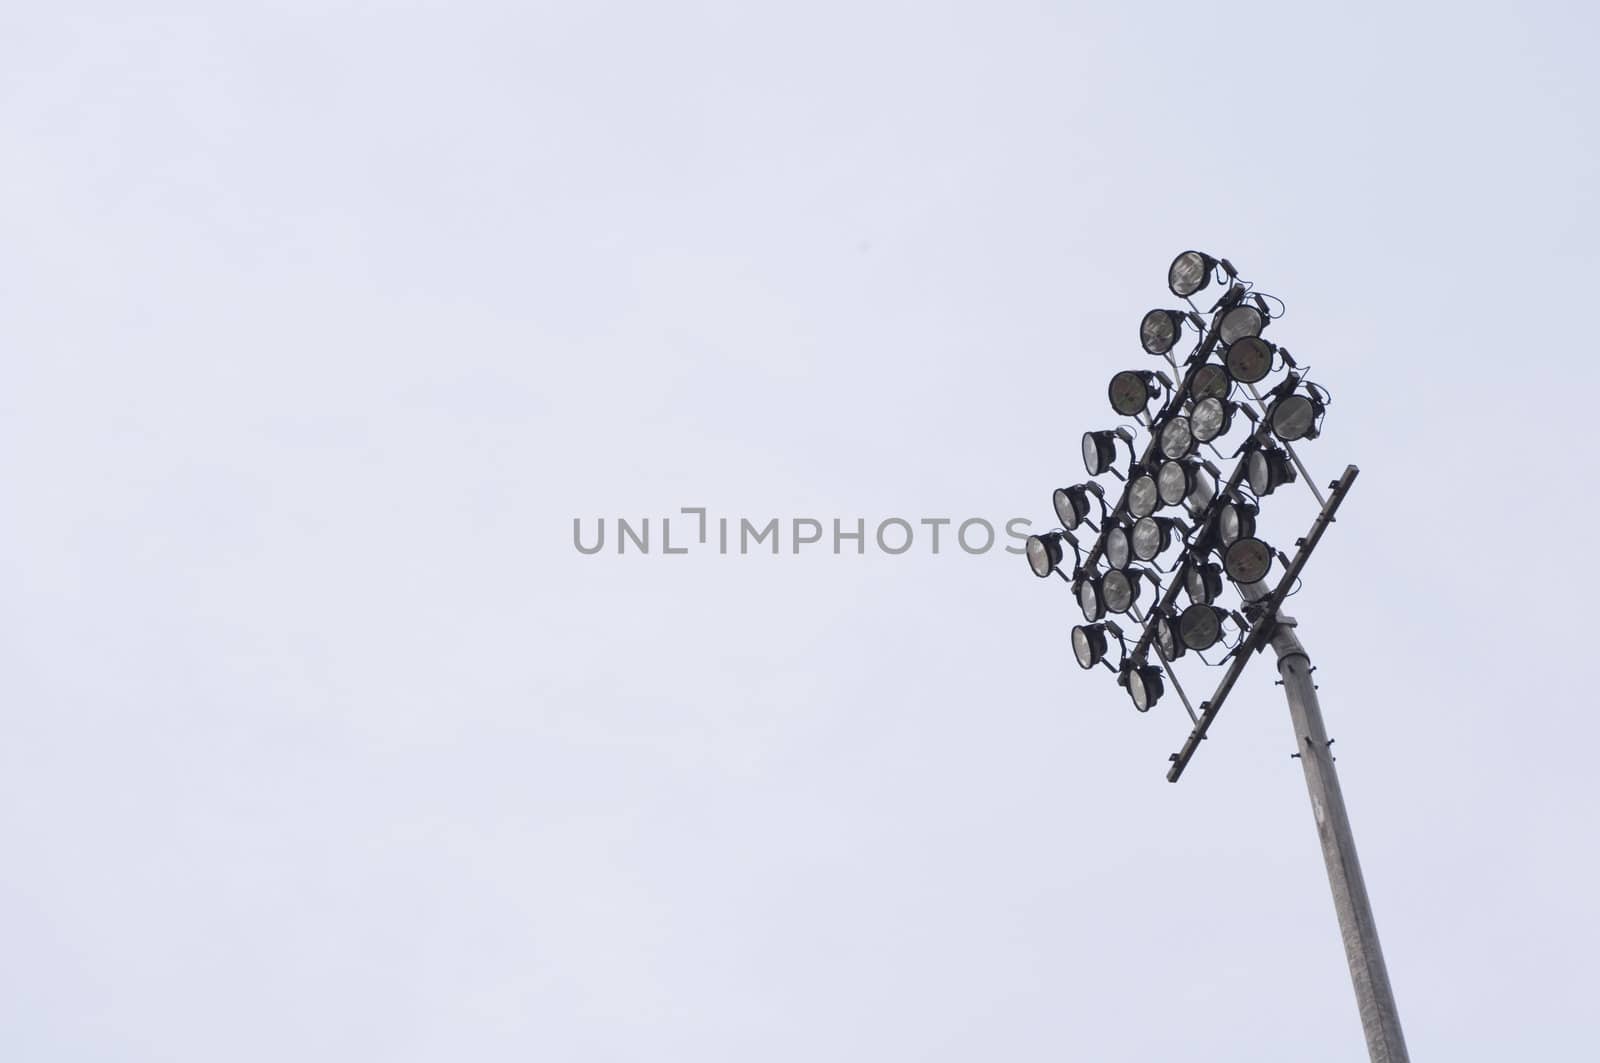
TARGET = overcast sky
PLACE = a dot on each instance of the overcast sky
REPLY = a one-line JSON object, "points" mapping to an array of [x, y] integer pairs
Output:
{"points": [[319, 740]]}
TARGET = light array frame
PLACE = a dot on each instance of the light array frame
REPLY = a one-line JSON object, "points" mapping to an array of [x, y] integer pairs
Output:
{"points": [[1203, 375]]}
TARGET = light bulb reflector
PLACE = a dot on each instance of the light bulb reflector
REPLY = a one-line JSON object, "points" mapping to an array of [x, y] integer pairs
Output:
{"points": [[1130, 393], [1116, 550], [1144, 686], [1089, 601], [1201, 583], [1041, 558], [1066, 510], [1231, 524], [1293, 417], [1249, 359], [1165, 638], [1172, 481], [1189, 272], [1143, 495], [1149, 537], [1117, 587], [1083, 648], [1177, 438], [1259, 472], [1247, 560], [1199, 627], [1209, 419], [1158, 332], [1210, 381], [1240, 322]]}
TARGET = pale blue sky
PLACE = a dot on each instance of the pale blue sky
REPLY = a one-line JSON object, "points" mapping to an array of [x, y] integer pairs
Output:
{"points": [[320, 741]]}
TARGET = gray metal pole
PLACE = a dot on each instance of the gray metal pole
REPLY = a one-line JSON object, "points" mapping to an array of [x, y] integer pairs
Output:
{"points": [[1379, 1017]]}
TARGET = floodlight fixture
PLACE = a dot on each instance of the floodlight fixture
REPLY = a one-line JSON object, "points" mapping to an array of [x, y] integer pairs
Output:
{"points": [[1072, 503], [1119, 589], [1200, 626], [1211, 417], [1090, 600], [1189, 273], [1234, 521], [1164, 634], [1044, 553], [1151, 536], [1160, 330], [1100, 449], [1247, 560], [1267, 469], [1176, 438], [1210, 381], [1144, 685], [1249, 359], [1202, 581], [1239, 321], [1117, 549], [1144, 495], [1089, 644], [1130, 391], [1296, 416], [1177, 480]]}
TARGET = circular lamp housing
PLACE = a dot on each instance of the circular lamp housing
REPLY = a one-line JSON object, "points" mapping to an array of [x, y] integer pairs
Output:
{"points": [[1119, 590], [1072, 504], [1099, 451], [1189, 273], [1144, 495], [1165, 636], [1249, 359], [1203, 582], [1176, 481], [1211, 417], [1089, 644], [1090, 599], [1144, 686], [1210, 381], [1176, 438], [1247, 560], [1067, 507], [1044, 553], [1267, 469], [1117, 549], [1235, 521], [1159, 331], [1200, 626], [1295, 417], [1240, 322], [1130, 392], [1151, 536]]}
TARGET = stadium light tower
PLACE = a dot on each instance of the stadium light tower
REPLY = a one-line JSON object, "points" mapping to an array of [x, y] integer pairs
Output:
{"points": [[1208, 537]]}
